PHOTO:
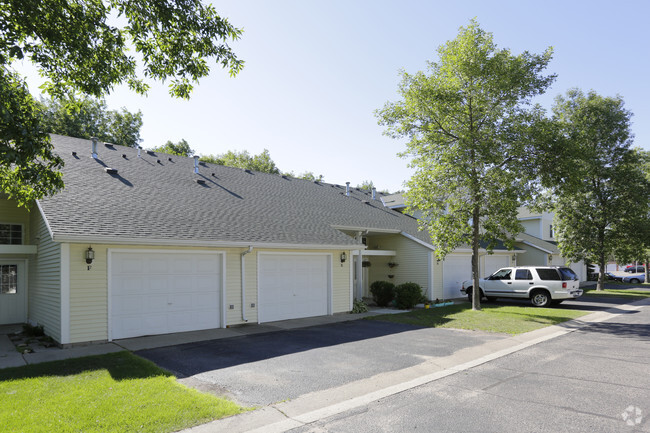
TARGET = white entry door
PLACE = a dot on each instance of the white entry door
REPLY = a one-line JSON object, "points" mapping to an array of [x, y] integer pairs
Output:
{"points": [[293, 286], [13, 292], [455, 270], [164, 292]]}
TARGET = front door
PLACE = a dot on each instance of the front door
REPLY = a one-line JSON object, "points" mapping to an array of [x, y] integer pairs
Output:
{"points": [[13, 291]]}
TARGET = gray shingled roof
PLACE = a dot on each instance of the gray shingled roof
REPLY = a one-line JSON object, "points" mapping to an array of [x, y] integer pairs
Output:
{"points": [[153, 198]]}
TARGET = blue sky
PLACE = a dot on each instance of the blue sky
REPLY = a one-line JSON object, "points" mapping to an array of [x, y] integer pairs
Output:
{"points": [[316, 70]]}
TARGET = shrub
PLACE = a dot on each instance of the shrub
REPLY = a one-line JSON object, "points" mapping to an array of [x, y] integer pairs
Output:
{"points": [[382, 292], [33, 331], [407, 295], [359, 307]]}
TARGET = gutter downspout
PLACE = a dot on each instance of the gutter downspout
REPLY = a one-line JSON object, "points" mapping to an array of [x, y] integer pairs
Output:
{"points": [[243, 283]]}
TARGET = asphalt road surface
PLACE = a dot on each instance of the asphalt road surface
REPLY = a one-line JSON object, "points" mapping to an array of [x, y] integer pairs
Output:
{"points": [[596, 379]]}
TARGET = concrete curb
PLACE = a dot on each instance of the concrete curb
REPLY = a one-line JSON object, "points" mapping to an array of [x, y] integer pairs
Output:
{"points": [[319, 405]]}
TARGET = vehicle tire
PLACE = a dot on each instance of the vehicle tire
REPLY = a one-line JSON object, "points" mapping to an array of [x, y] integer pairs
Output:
{"points": [[634, 281], [540, 298], [470, 290]]}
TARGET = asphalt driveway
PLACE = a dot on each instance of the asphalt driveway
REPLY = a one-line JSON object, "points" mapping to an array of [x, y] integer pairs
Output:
{"points": [[261, 369]]}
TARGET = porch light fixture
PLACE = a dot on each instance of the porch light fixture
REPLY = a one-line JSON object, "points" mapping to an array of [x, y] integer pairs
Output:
{"points": [[90, 255], [343, 257]]}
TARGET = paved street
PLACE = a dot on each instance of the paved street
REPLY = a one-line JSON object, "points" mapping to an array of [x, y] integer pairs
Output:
{"points": [[580, 382]]}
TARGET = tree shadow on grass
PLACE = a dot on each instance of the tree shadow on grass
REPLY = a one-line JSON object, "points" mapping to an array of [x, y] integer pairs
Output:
{"points": [[120, 365]]}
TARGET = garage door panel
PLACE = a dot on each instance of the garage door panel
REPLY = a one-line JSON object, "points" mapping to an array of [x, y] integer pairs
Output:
{"points": [[293, 286], [494, 263], [456, 269], [159, 293]]}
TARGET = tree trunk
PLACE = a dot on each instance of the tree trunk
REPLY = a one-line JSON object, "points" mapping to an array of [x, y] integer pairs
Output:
{"points": [[601, 274], [476, 292]]}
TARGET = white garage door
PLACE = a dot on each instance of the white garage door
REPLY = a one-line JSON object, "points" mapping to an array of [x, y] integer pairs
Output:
{"points": [[494, 263], [455, 270], [163, 292], [292, 286]]}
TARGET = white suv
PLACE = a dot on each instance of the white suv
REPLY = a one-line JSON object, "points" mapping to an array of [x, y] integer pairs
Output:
{"points": [[543, 285]]}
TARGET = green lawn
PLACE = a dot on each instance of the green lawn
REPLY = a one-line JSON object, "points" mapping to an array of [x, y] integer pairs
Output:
{"points": [[623, 293], [503, 319], [119, 392]]}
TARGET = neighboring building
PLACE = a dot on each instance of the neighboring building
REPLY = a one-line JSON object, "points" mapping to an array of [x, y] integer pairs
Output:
{"points": [[140, 243], [538, 241]]}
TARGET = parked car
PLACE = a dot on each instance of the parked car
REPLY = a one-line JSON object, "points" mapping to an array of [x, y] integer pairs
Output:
{"points": [[634, 279], [543, 285], [634, 269], [613, 277]]}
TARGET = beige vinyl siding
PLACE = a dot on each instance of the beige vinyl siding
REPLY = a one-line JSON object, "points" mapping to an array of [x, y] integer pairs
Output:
{"points": [[531, 227], [10, 213], [532, 256], [89, 288], [44, 279], [411, 257]]}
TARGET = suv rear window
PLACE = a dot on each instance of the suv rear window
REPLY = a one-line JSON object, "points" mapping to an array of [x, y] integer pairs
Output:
{"points": [[548, 274], [568, 274]]}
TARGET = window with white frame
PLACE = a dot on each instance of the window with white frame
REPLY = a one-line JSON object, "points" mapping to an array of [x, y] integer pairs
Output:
{"points": [[8, 279], [11, 234]]}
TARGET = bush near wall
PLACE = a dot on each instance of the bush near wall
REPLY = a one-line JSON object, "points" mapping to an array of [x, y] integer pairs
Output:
{"points": [[383, 292], [408, 295]]}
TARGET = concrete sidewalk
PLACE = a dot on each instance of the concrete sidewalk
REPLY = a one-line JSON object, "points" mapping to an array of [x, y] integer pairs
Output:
{"points": [[319, 405]]}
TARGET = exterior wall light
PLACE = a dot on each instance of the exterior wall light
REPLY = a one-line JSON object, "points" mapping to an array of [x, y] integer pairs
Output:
{"points": [[343, 257], [90, 255]]}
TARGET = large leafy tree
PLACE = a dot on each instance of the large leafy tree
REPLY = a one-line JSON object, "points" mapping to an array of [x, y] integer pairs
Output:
{"points": [[470, 139], [86, 117], [182, 148], [243, 159], [605, 215], [89, 47]]}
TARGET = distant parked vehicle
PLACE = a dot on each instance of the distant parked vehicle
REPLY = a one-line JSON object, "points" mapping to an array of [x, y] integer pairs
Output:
{"points": [[634, 279], [634, 269], [613, 277]]}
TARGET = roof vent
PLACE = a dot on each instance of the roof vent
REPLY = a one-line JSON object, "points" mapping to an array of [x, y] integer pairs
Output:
{"points": [[74, 153], [196, 163], [94, 147], [374, 193], [214, 175], [158, 161], [124, 155], [347, 189], [200, 181], [110, 170], [365, 201], [151, 152], [170, 159], [109, 145], [139, 149]]}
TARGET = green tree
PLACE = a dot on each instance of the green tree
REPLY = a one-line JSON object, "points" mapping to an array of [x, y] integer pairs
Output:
{"points": [[243, 159], [606, 214], [309, 175], [470, 136], [86, 47], [85, 117], [182, 148]]}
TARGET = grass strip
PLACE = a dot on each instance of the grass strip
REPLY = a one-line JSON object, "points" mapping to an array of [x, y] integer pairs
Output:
{"points": [[118, 392], [502, 319]]}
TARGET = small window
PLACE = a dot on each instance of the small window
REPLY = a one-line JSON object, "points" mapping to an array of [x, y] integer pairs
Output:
{"points": [[8, 279], [548, 274], [523, 274], [11, 234], [550, 230]]}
